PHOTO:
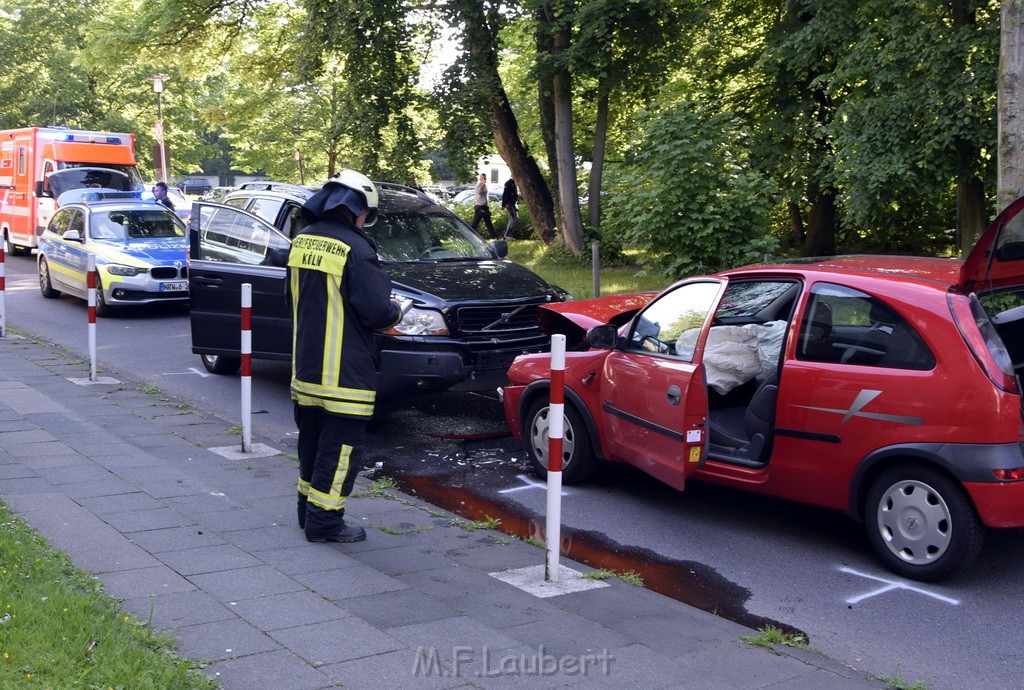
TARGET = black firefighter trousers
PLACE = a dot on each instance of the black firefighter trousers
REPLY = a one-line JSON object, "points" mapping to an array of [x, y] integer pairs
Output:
{"points": [[328, 467]]}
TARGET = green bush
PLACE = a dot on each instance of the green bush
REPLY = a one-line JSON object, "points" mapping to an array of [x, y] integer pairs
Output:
{"points": [[685, 196]]}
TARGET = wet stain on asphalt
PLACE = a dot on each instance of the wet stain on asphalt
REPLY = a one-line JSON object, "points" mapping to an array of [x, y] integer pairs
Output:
{"points": [[689, 582]]}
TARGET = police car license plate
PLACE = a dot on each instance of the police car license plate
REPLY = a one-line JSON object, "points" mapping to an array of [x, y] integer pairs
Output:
{"points": [[174, 286]]}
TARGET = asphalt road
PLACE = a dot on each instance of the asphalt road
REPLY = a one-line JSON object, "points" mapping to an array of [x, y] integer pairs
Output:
{"points": [[753, 559]]}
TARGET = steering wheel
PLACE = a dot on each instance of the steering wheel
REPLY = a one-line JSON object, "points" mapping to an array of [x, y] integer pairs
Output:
{"points": [[426, 253]]}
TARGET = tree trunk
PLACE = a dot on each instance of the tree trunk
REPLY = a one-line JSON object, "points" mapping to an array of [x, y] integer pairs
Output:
{"points": [[546, 108], [568, 194], [821, 221], [480, 42], [971, 216], [1011, 104], [597, 164], [970, 190]]}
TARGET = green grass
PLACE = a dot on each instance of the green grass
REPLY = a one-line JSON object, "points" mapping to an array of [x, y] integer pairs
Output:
{"points": [[576, 275], [599, 574], [59, 630], [473, 525], [632, 577], [770, 636]]}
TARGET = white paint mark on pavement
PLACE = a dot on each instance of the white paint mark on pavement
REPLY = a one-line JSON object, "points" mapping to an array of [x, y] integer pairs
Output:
{"points": [[529, 484], [890, 585]]}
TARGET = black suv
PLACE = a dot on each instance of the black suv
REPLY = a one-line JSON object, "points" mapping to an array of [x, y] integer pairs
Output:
{"points": [[473, 310], [196, 186]]}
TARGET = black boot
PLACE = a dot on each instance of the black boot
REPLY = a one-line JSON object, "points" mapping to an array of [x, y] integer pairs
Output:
{"points": [[344, 533], [302, 511]]}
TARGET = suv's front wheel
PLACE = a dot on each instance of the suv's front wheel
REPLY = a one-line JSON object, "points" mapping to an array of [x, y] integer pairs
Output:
{"points": [[219, 364], [922, 523]]}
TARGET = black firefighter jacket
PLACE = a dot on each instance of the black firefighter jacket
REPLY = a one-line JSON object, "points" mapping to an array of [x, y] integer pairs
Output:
{"points": [[340, 295]]}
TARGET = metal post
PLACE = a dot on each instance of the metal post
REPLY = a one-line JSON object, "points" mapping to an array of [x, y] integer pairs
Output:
{"points": [[595, 266], [3, 293], [90, 282], [556, 426], [163, 146], [246, 367]]}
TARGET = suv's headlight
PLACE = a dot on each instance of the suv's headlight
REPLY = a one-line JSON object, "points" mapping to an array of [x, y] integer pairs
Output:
{"points": [[420, 322], [119, 270]]}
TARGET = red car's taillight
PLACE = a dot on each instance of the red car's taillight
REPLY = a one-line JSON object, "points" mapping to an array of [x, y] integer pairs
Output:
{"points": [[983, 340]]}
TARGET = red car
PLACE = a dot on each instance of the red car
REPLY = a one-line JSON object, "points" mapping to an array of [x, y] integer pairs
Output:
{"points": [[884, 386]]}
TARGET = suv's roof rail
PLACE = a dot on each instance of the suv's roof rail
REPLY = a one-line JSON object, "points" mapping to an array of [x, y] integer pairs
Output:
{"points": [[394, 186], [271, 186]]}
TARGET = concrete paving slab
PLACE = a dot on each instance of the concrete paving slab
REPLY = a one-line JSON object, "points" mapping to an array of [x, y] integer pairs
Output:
{"points": [[276, 669], [353, 581], [334, 641], [532, 579], [226, 639], [399, 608], [171, 611], [158, 541], [128, 584], [288, 610], [446, 634], [245, 583], [397, 670], [209, 559], [404, 559], [306, 558]]}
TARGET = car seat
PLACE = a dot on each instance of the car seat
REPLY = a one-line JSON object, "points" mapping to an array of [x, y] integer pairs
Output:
{"points": [[815, 341], [748, 442]]}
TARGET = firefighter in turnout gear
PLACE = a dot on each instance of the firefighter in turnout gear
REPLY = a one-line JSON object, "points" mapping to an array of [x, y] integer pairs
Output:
{"points": [[339, 296]]}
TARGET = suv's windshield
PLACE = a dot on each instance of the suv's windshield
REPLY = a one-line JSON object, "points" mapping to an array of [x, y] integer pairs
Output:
{"points": [[118, 225], [425, 236]]}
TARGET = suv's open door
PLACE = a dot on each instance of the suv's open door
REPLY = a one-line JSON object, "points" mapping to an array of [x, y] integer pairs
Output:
{"points": [[229, 247]]}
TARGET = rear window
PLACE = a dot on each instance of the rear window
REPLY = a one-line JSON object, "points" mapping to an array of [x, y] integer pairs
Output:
{"points": [[845, 326]]}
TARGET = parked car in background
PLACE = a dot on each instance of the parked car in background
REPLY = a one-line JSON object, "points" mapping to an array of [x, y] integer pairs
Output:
{"points": [[217, 193], [472, 313], [875, 385], [197, 186], [466, 196], [140, 248]]}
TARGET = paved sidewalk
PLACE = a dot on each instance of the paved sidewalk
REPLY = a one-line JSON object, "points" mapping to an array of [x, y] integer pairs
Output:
{"points": [[208, 549]]}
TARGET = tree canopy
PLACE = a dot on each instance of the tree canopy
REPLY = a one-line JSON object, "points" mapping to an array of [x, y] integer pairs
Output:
{"points": [[710, 133]]}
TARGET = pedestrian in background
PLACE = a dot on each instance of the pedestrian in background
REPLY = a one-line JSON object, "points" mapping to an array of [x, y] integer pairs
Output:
{"points": [[160, 194], [481, 209], [509, 199], [339, 295]]}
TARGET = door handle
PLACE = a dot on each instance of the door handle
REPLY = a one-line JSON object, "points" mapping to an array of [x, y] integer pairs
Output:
{"points": [[674, 395], [203, 281]]}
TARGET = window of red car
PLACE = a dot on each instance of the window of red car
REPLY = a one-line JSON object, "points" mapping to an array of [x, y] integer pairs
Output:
{"points": [[846, 326], [671, 324]]}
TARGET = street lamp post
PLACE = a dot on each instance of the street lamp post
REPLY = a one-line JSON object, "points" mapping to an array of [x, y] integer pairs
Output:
{"points": [[158, 89], [298, 160]]}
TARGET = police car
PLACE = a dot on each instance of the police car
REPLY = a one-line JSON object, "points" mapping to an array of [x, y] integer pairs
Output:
{"points": [[140, 249]]}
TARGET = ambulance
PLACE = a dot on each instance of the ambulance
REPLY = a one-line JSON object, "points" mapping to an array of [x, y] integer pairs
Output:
{"points": [[37, 164]]}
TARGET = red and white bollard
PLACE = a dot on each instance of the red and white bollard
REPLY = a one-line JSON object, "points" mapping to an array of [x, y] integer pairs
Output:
{"points": [[90, 283], [246, 367], [556, 427], [3, 293]]}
